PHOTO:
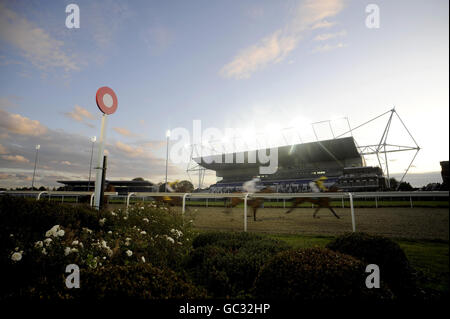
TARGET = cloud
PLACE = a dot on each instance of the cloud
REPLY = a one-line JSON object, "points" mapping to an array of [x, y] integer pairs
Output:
{"points": [[328, 36], [15, 158], [123, 131], [81, 115], [35, 45], [276, 46], [59, 148], [3, 150], [329, 47], [15, 123], [131, 151]]}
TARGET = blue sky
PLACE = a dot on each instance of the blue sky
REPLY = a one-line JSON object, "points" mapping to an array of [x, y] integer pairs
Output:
{"points": [[245, 64]]}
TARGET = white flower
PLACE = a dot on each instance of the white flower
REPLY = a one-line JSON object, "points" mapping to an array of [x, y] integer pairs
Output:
{"points": [[11, 235], [102, 221], [75, 243], [129, 253], [52, 232], [110, 232], [16, 256], [60, 233], [143, 232], [47, 241], [87, 230], [143, 259], [109, 252], [145, 220], [104, 244], [66, 251], [114, 214], [170, 239], [125, 218], [44, 251], [39, 244], [74, 250], [176, 232]]}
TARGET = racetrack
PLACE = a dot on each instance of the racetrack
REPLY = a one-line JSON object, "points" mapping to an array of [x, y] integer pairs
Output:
{"points": [[413, 223]]}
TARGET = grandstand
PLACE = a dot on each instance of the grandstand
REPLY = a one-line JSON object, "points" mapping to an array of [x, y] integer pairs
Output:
{"points": [[338, 159]]}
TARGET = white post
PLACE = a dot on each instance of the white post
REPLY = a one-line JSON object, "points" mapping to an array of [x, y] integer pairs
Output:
{"points": [[376, 202], [98, 179], [92, 198], [410, 200], [352, 210], [183, 210], [245, 212], [128, 199]]}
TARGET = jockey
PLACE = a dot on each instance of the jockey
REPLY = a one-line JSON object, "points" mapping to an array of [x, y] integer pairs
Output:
{"points": [[317, 185], [250, 186], [170, 189]]}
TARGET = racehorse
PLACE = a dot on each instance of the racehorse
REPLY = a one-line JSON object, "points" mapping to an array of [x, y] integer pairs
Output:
{"points": [[320, 202], [254, 203], [173, 187]]}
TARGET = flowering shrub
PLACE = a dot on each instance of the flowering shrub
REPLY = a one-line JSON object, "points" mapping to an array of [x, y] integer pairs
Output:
{"points": [[39, 239]]}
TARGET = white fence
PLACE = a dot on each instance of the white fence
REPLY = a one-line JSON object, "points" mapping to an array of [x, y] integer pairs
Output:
{"points": [[247, 196]]}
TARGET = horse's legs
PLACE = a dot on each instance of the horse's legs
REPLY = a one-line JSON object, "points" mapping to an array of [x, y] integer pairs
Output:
{"points": [[315, 212], [295, 203], [334, 213]]}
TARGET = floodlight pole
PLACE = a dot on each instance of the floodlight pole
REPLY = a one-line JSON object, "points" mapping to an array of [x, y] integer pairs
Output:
{"points": [[167, 157], [35, 162]]}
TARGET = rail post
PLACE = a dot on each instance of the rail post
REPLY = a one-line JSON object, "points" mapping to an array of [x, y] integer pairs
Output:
{"points": [[245, 211], [352, 211], [92, 198], [410, 201], [128, 199], [183, 210], [39, 195]]}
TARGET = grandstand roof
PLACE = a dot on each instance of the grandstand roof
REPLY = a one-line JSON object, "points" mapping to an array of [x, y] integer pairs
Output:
{"points": [[335, 150]]}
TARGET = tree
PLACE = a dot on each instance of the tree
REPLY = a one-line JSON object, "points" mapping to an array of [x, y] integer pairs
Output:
{"points": [[138, 179]]}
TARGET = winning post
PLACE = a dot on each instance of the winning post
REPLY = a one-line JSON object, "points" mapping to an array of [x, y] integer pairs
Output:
{"points": [[107, 103]]}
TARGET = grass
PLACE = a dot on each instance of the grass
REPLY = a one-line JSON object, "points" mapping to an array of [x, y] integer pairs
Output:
{"points": [[429, 257]]}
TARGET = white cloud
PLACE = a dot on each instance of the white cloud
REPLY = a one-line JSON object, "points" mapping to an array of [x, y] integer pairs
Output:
{"points": [[328, 36], [15, 158], [329, 47], [34, 43], [80, 114], [275, 47], [18, 124]]}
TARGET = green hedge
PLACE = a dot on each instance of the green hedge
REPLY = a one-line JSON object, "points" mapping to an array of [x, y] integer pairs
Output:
{"points": [[226, 264], [394, 266], [315, 274]]}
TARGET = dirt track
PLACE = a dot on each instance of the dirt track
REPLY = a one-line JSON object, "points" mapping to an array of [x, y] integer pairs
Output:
{"points": [[414, 223]]}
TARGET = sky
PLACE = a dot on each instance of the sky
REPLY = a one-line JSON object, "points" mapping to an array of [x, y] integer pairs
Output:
{"points": [[267, 69]]}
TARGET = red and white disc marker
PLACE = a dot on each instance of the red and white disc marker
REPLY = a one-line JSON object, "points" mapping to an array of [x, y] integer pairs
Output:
{"points": [[106, 100]]}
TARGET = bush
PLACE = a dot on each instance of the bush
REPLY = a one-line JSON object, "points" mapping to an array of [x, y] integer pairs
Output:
{"points": [[38, 239], [226, 264], [314, 274], [139, 281], [394, 266]]}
